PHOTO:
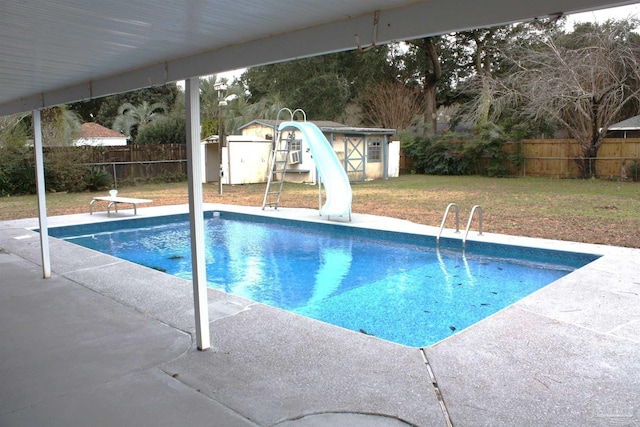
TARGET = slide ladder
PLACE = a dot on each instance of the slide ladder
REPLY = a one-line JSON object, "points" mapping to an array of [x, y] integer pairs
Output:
{"points": [[279, 161], [280, 151]]}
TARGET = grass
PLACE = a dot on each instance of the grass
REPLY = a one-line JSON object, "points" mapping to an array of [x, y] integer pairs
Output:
{"points": [[591, 211]]}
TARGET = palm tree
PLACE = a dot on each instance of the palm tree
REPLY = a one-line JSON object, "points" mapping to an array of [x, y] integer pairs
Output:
{"points": [[60, 126], [132, 118], [208, 97]]}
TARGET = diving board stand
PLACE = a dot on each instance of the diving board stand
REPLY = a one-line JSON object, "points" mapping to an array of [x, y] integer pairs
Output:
{"points": [[114, 201]]}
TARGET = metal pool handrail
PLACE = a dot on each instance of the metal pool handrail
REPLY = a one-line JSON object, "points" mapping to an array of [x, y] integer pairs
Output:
{"points": [[466, 233], [444, 219]]}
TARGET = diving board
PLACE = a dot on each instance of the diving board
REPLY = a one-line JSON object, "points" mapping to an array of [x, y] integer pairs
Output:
{"points": [[114, 201]]}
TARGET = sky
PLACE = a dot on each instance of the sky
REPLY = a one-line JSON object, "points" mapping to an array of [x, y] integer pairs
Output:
{"points": [[631, 11]]}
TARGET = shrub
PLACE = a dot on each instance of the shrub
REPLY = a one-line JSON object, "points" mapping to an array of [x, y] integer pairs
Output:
{"points": [[4, 182], [165, 130], [17, 174], [22, 178], [70, 169], [172, 177], [634, 170], [98, 179], [66, 169], [482, 152], [443, 154]]}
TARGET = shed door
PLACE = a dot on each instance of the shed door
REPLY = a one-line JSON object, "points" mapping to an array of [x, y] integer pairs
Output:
{"points": [[354, 164]]}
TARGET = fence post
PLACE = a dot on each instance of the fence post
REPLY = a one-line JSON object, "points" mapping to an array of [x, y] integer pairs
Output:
{"points": [[131, 166], [115, 178]]}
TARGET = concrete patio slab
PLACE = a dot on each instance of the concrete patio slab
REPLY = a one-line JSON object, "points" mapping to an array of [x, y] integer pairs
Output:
{"points": [[69, 356], [271, 365], [62, 334], [148, 398], [521, 368], [601, 297]]}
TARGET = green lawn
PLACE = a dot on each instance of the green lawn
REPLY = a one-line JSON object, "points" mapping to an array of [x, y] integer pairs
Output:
{"points": [[593, 211]]}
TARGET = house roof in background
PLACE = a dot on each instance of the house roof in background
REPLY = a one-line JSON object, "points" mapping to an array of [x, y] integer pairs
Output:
{"points": [[56, 52], [632, 123], [94, 130]]}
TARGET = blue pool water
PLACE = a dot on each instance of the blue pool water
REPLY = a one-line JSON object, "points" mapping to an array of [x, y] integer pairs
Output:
{"points": [[392, 285]]}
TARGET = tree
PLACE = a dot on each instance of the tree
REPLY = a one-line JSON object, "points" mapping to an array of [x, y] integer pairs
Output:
{"points": [[88, 110], [16, 160], [312, 84], [268, 106], [236, 113], [60, 126], [14, 130], [584, 81], [482, 61], [209, 109], [323, 86], [107, 107], [482, 55], [428, 73], [391, 104], [132, 119]]}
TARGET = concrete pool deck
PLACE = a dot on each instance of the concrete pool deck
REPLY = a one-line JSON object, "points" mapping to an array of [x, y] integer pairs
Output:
{"points": [[108, 342]]}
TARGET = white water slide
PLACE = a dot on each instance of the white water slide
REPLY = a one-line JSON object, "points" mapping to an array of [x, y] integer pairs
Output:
{"points": [[332, 174]]}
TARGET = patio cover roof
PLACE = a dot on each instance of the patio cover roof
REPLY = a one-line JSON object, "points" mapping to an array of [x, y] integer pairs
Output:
{"points": [[55, 52]]}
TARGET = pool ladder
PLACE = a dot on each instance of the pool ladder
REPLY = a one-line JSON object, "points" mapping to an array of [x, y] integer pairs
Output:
{"points": [[466, 231]]}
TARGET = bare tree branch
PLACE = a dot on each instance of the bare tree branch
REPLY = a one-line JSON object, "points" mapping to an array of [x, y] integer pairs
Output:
{"points": [[392, 105], [584, 81]]}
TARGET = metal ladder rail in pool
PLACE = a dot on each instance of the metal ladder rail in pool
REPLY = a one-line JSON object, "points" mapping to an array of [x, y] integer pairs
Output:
{"points": [[444, 219], [466, 232], [279, 162]]}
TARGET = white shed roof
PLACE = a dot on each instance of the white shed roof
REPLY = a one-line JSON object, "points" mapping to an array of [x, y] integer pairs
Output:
{"points": [[59, 51]]}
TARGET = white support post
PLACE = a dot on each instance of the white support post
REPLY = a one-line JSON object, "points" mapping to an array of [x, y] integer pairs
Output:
{"points": [[196, 221], [41, 190]]}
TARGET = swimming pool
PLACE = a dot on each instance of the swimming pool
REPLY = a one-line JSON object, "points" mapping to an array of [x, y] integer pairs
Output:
{"points": [[396, 286]]}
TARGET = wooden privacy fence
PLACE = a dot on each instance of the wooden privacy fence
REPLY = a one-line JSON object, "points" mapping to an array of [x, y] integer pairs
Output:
{"points": [[136, 161], [405, 162], [557, 157], [541, 157]]}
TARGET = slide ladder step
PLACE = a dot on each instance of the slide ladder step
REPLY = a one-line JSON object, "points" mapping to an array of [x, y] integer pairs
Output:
{"points": [[278, 170]]}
